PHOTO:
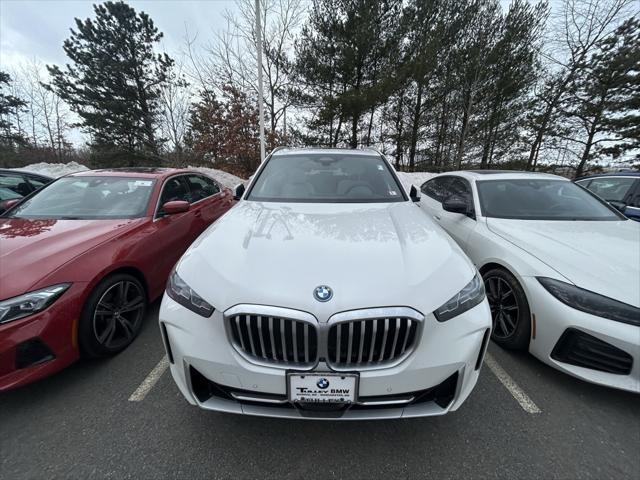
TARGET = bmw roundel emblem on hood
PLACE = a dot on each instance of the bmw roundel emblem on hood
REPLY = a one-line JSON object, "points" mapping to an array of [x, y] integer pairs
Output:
{"points": [[323, 293]]}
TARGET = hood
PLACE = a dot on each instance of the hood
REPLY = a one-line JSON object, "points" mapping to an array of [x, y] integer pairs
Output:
{"points": [[371, 255], [600, 256], [32, 249]]}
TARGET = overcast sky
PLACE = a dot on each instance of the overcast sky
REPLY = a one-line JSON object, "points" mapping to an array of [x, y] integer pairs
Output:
{"points": [[37, 28]]}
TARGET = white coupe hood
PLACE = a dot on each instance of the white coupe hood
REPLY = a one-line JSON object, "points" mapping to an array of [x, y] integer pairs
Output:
{"points": [[600, 256], [371, 255]]}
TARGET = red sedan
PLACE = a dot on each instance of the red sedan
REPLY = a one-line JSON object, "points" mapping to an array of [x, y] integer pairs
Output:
{"points": [[81, 259]]}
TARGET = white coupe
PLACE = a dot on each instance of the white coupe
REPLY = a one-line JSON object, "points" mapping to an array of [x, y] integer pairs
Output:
{"points": [[561, 268], [325, 293]]}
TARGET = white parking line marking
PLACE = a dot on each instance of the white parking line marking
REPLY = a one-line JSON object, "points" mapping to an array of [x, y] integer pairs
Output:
{"points": [[522, 398], [148, 383]]}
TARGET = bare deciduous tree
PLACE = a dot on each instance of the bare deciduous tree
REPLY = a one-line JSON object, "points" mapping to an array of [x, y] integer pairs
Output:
{"points": [[578, 27], [175, 102], [45, 120], [231, 58]]}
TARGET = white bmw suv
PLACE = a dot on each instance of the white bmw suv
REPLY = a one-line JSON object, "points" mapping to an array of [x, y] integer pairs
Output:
{"points": [[325, 293]]}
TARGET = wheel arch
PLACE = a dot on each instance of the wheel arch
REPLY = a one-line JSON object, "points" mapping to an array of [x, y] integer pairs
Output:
{"points": [[504, 266], [126, 269], [491, 265]]}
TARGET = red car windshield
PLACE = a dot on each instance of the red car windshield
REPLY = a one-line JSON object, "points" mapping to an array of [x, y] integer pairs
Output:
{"points": [[88, 198]]}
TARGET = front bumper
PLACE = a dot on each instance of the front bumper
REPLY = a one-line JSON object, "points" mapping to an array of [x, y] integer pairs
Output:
{"points": [[554, 319], [39, 345], [439, 374]]}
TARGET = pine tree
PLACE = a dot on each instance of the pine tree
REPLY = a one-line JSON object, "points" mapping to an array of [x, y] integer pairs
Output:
{"points": [[605, 97], [9, 106], [622, 115], [114, 77], [512, 69], [344, 63]]}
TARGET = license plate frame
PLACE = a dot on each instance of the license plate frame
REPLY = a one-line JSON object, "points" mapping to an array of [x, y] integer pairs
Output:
{"points": [[315, 395]]}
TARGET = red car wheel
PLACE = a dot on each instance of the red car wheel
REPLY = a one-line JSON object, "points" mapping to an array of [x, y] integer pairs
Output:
{"points": [[112, 316]]}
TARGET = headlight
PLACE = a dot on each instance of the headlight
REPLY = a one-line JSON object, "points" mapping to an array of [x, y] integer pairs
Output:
{"points": [[591, 302], [466, 299], [179, 291], [30, 303]]}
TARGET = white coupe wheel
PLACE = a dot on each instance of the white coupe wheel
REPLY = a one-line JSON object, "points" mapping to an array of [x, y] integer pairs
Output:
{"points": [[509, 309]]}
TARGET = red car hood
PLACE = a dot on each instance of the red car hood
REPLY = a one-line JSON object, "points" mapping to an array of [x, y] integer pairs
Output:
{"points": [[32, 249]]}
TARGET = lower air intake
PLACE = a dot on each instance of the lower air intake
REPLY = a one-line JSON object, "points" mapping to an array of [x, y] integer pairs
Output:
{"points": [[583, 350]]}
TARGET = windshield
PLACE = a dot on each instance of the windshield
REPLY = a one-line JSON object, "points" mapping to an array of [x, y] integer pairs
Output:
{"points": [[326, 178], [88, 198], [540, 199]]}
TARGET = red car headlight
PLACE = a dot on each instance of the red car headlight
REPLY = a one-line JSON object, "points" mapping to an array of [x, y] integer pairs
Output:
{"points": [[30, 303]]}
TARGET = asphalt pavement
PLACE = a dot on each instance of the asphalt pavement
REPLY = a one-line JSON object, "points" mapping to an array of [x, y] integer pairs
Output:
{"points": [[124, 418]]}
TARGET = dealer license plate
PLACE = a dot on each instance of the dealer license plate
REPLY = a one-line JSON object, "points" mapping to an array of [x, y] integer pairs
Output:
{"points": [[322, 387]]}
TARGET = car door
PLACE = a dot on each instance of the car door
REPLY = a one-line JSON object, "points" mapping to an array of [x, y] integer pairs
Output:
{"points": [[434, 191], [457, 225], [171, 235], [208, 201]]}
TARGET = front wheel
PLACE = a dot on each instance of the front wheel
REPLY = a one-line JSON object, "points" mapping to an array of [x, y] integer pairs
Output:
{"points": [[112, 316], [509, 309]]}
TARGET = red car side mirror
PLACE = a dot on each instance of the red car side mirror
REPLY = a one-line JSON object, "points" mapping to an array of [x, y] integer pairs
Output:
{"points": [[7, 204], [177, 206]]}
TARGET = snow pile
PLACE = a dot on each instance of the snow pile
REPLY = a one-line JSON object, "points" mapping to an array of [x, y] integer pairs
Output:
{"points": [[224, 178], [416, 178], [53, 170], [56, 170]]}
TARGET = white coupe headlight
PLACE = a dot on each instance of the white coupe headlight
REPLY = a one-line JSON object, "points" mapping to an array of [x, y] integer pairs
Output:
{"points": [[30, 303], [470, 296], [591, 302], [179, 291]]}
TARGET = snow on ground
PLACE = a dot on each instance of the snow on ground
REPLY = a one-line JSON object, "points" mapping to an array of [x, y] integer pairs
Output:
{"points": [[53, 170], [415, 178]]}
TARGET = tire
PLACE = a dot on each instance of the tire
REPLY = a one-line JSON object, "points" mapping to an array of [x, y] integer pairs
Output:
{"points": [[112, 316], [510, 311]]}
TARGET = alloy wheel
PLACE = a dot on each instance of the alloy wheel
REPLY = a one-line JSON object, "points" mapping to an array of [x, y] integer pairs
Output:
{"points": [[118, 314], [504, 307]]}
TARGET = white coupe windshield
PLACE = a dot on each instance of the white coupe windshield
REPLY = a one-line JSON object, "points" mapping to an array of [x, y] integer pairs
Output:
{"points": [[541, 199], [88, 198], [326, 178]]}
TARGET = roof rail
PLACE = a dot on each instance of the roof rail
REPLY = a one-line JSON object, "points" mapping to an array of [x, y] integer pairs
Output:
{"points": [[373, 149], [277, 149]]}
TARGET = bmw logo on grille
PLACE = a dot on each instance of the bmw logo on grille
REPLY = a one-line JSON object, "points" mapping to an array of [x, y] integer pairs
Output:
{"points": [[323, 293], [323, 383]]}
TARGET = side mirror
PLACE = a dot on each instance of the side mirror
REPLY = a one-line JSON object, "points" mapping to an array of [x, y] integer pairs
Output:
{"points": [[456, 204], [177, 206], [7, 204], [413, 194], [238, 191], [620, 206]]}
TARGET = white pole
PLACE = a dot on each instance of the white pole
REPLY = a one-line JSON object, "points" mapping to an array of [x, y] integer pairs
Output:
{"points": [[260, 95]]}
